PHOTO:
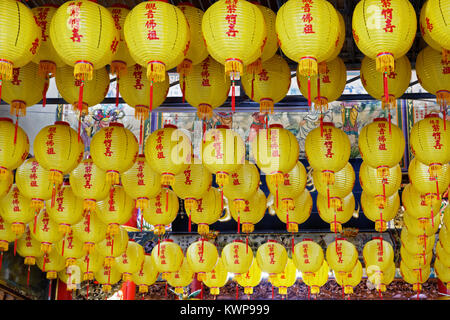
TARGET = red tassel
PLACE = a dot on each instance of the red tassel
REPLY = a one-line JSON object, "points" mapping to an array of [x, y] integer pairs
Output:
{"points": [[233, 94], [292, 244], [63, 245], [201, 292], [328, 196], [142, 218], [45, 260], [321, 122], [221, 197], [50, 290], [253, 87], [117, 91], [112, 245], [53, 196], [276, 195], [183, 90], [44, 93], [237, 292], [80, 107], [309, 293], [239, 222], [167, 199], [35, 221], [432, 217], [386, 90], [190, 223], [15, 128], [437, 189], [379, 294], [318, 87], [287, 218], [15, 247], [28, 276], [246, 244], [151, 96], [165, 290], [309, 91], [390, 121], [87, 264], [158, 247]]}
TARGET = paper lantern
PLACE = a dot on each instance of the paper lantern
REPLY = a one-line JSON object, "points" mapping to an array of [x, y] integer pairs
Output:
{"points": [[107, 276], [397, 80], [207, 211], [168, 151], [378, 211], [342, 256], [286, 278], [308, 257], [251, 278], [91, 230], [309, 40], [113, 246], [216, 278], [90, 264], [416, 277], [269, 85], [417, 244], [251, 213], [425, 33], [168, 257], [162, 210], [237, 257], [446, 217], [415, 260], [338, 47], [181, 278], [379, 148], [272, 258], [114, 149], [130, 261], [338, 214], [45, 230], [378, 252], [384, 31], [422, 226], [29, 248], [350, 280], [202, 257], [6, 235], [147, 274], [295, 211], [205, 87], [16, 210], [442, 272], [444, 237], [115, 210], [70, 248], [6, 183], [12, 155], [324, 87], [435, 13], [425, 179], [51, 263], [328, 150], [317, 279], [441, 254]]}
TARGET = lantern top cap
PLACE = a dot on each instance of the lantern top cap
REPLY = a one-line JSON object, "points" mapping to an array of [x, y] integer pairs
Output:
{"points": [[64, 123], [222, 126], [6, 119], [276, 125], [307, 239], [167, 240], [432, 115], [379, 119], [170, 125], [271, 240], [116, 124], [331, 124]]}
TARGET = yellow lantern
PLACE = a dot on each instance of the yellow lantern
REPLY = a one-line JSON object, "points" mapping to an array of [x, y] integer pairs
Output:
{"points": [[94, 91], [342, 256], [422, 226], [237, 257], [397, 80], [70, 248], [446, 218], [45, 230], [205, 87], [113, 246], [286, 278], [168, 257], [107, 276], [251, 278], [295, 211], [130, 262], [216, 278], [146, 275], [223, 152], [115, 210], [444, 237], [91, 230], [321, 153], [425, 179], [417, 244], [251, 213], [89, 264], [192, 183], [374, 276], [88, 182], [20, 41], [24, 89], [378, 252], [16, 210], [162, 210], [415, 260], [207, 211], [380, 149], [6, 235], [234, 33], [46, 57], [271, 258], [378, 212], [181, 277], [338, 47], [166, 154], [441, 254], [269, 85], [29, 248], [51, 263], [416, 276], [442, 272], [308, 257], [350, 280], [430, 143], [311, 39], [114, 149], [12, 155], [432, 73], [435, 13], [338, 214], [425, 27], [384, 31], [317, 279], [326, 86], [6, 183], [202, 257]]}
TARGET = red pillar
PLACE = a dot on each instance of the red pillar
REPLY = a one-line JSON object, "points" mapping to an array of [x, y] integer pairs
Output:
{"points": [[61, 291], [129, 290]]}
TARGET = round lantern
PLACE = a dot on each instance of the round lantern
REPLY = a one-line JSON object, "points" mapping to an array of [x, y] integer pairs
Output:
{"points": [[146, 275], [342, 256], [115, 210], [89, 264], [181, 278], [234, 33], [308, 257], [296, 211], [415, 260], [168, 257], [16, 210], [251, 278], [6, 183], [223, 152], [397, 80], [380, 186], [269, 85], [416, 277], [12, 155], [51, 264], [6, 235], [91, 230], [168, 151], [425, 27], [384, 31], [309, 40], [378, 252], [250, 213], [425, 179], [237, 257], [338, 45], [286, 278], [216, 278], [271, 258], [350, 280], [430, 142], [206, 212], [317, 279], [70, 248], [46, 57], [446, 218], [29, 248], [421, 226], [327, 150], [337, 214], [205, 87], [45, 230], [130, 261], [162, 210], [442, 272], [88, 182], [432, 73], [380, 212], [379, 148], [417, 244], [113, 246], [107, 276], [202, 257], [20, 41], [435, 13], [114, 149], [192, 183], [324, 87], [444, 237], [441, 254]]}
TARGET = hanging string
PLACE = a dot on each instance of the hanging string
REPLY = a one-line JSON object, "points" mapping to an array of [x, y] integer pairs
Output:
{"points": [[63, 244], [142, 218], [80, 107], [183, 90], [165, 290], [35, 220], [253, 86], [190, 223], [15, 127], [239, 222], [233, 94], [44, 92], [309, 90], [15, 246], [272, 291], [117, 90]]}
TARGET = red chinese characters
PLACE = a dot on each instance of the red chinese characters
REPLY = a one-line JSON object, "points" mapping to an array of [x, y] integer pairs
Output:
{"points": [[235, 178], [158, 204], [328, 142], [70, 241], [274, 143], [200, 253], [436, 134], [205, 73], [200, 205], [87, 175], [386, 12], [381, 136], [287, 182], [339, 252], [187, 176], [151, 24], [140, 173], [429, 24], [236, 254], [15, 201], [159, 146], [60, 200], [263, 75], [15, 77], [107, 142], [124, 258], [41, 21], [28, 240], [305, 253], [231, 18], [307, 17], [380, 251], [111, 201], [50, 143], [116, 14], [138, 77], [74, 21], [271, 253], [218, 146], [45, 221], [34, 46], [33, 176]]}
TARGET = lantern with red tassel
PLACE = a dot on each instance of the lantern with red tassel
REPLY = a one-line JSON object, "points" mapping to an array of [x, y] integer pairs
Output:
{"points": [[91, 230], [113, 246], [6, 236], [12, 155], [29, 249], [161, 210], [45, 230], [168, 257], [237, 257], [250, 212]]}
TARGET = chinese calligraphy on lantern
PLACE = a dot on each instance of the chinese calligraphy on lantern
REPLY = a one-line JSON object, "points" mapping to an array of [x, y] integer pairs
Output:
{"points": [[386, 12], [151, 24], [74, 20], [307, 17], [381, 136], [231, 18]]}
